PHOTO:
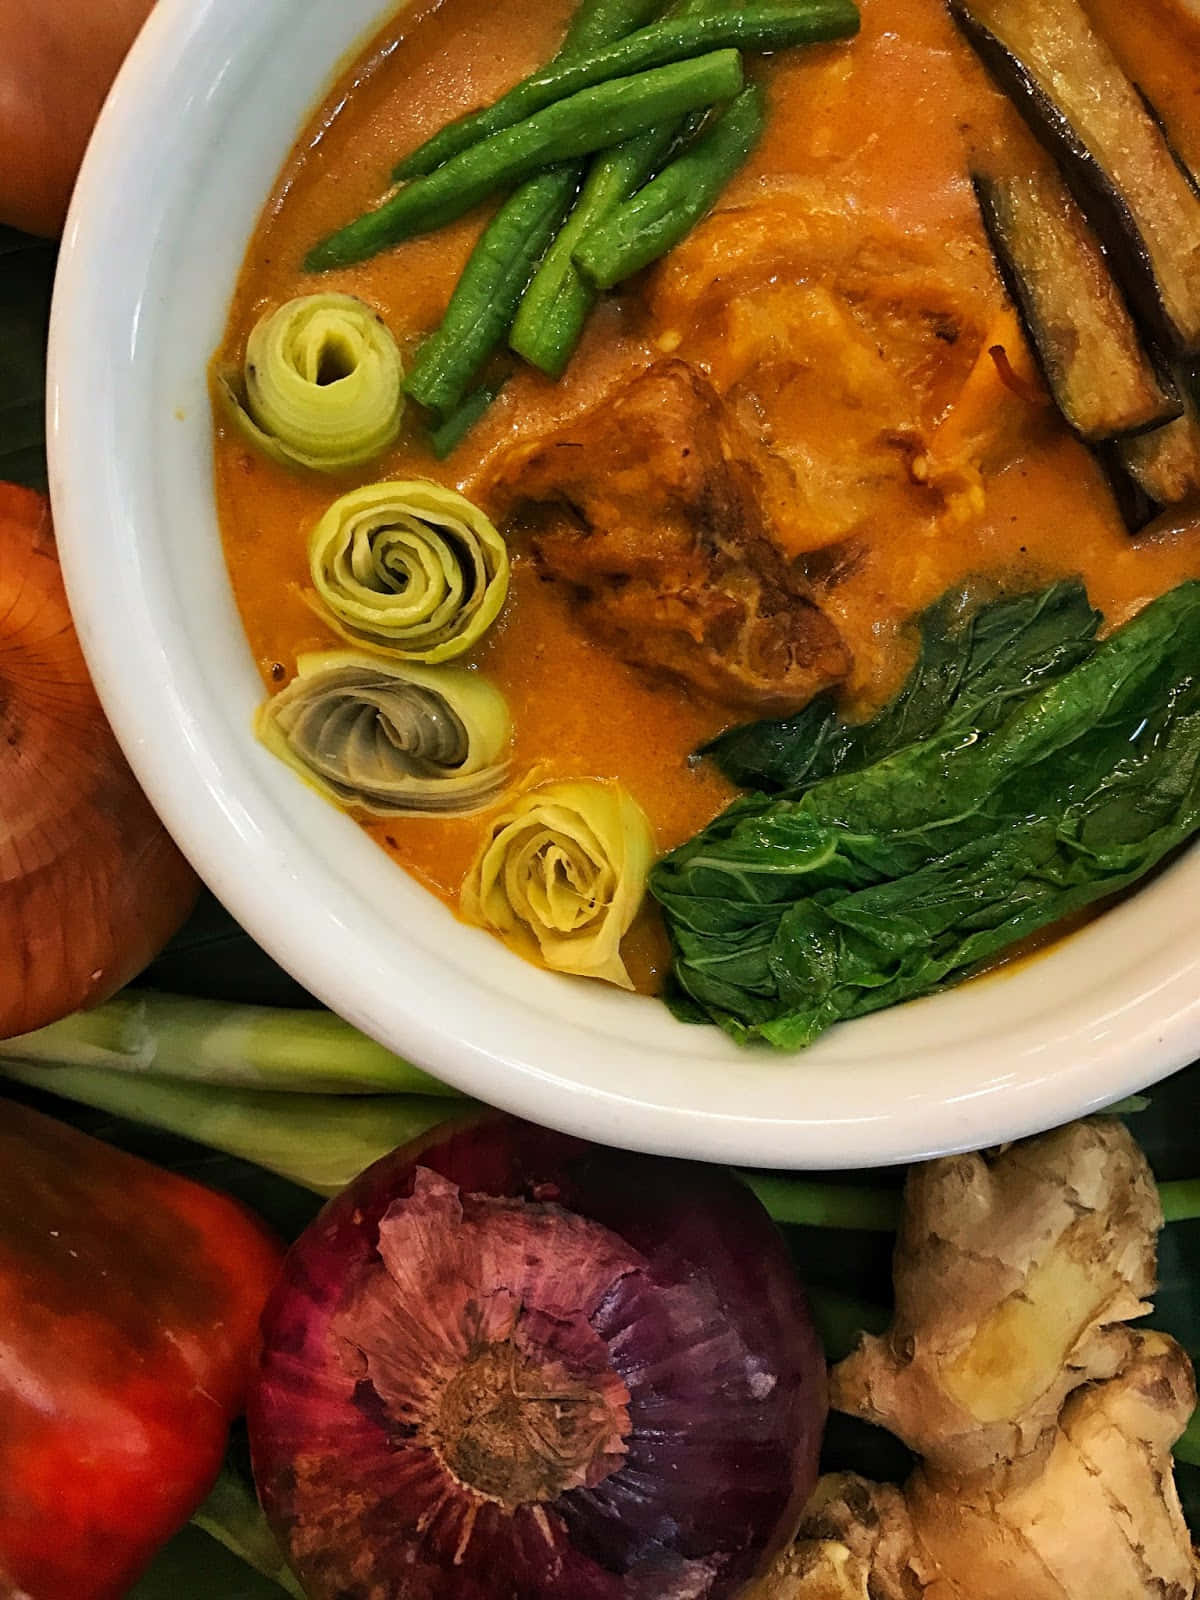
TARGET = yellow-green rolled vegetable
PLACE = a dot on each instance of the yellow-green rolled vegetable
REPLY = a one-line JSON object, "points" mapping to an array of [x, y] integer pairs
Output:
{"points": [[562, 875], [391, 740], [410, 568], [322, 385]]}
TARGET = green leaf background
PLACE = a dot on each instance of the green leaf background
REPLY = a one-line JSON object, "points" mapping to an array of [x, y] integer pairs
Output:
{"points": [[213, 957], [26, 276]]}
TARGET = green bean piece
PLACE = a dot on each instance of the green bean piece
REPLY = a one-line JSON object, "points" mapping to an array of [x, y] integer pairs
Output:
{"points": [[488, 292], [598, 22], [776, 26], [556, 304], [448, 435], [490, 289], [594, 119], [670, 205]]}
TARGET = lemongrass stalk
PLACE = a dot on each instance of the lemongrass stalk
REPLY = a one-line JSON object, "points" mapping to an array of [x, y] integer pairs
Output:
{"points": [[319, 1141], [209, 1041]]}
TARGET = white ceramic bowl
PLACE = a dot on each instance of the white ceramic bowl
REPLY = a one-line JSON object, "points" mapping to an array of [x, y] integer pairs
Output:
{"points": [[188, 148]]}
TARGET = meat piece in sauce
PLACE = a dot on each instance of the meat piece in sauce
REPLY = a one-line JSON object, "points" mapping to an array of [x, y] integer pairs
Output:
{"points": [[859, 352], [653, 507]]}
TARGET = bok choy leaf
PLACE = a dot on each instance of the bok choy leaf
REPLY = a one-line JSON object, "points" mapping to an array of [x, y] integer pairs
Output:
{"points": [[884, 883], [977, 656]]}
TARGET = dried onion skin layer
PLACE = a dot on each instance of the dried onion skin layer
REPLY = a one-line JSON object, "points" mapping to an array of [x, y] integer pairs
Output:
{"points": [[410, 568], [562, 875], [508, 1363], [91, 886], [322, 386], [391, 740]]}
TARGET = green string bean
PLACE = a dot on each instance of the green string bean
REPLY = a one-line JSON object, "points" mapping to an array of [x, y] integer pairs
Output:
{"points": [[554, 310], [485, 299], [482, 305], [594, 119], [598, 22], [670, 205], [762, 27], [448, 435], [555, 306]]}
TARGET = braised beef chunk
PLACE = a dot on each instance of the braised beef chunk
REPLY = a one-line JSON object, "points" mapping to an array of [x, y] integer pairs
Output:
{"points": [[652, 506]]}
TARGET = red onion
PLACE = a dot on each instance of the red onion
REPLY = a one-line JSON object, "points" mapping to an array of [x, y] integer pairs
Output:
{"points": [[509, 1365]]}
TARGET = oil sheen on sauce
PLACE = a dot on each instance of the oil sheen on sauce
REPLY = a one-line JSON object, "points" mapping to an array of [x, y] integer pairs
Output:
{"points": [[864, 166]]}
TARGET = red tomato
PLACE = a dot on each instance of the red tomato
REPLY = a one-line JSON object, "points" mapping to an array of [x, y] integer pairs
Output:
{"points": [[129, 1308]]}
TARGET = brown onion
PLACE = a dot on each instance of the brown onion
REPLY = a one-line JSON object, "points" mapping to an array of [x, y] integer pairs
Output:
{"points": [[57, 60], [505, 1364], [91, 886]]}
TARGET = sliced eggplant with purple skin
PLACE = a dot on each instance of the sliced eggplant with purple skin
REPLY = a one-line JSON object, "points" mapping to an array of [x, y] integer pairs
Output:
{"points": [[1177, 155], [1104, 381], [1069, 87], [1158, 471], [1165, 464]]}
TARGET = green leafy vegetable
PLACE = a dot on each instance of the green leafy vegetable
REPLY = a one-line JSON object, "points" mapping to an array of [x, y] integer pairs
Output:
{"points": [[194, 1566], [233, 1516], [878, 885], [977, 656]]}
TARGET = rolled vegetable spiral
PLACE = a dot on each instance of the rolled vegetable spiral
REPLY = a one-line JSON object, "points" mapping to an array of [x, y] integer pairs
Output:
{"points": [[322, 384], [391, 740], [562, 875], [410, 568]]}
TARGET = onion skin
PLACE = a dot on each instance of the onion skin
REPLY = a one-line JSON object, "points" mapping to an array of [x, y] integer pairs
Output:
{"points": [[91, 886], [658, 1287]]}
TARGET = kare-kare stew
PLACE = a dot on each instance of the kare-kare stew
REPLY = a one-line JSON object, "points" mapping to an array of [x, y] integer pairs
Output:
{"points": [[712, 488]]}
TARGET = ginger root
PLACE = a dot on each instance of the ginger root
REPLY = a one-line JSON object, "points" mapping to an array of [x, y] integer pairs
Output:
{"points": [[1014, 1278], [1093, 1512], [1045, 1423], [856, 1543]]}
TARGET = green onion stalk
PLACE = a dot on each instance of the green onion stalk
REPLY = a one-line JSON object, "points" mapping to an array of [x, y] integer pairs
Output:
{"points": [[306, 1096]]}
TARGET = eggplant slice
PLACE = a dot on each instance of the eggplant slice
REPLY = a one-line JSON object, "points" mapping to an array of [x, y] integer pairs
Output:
{"points": [[1104, 381], [1158, 471], [1069, 87], [1177, 155]]}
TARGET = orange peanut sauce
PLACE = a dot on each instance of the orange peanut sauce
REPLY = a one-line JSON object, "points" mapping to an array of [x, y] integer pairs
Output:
{"points": [[842, 298]]}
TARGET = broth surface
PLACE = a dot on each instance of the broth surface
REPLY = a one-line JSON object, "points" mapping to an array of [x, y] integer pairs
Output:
{"points": [[843, 300]]}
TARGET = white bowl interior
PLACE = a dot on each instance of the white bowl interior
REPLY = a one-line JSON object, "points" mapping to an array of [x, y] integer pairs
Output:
{"points": [[188, 149]]}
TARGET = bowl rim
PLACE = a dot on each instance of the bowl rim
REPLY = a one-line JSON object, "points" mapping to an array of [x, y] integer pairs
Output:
{"points": [[1029, 1079]]}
